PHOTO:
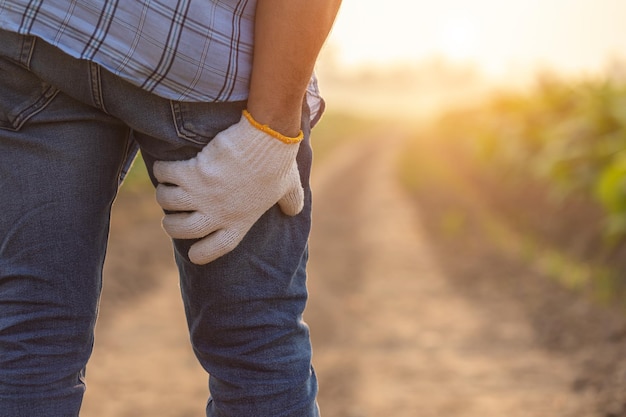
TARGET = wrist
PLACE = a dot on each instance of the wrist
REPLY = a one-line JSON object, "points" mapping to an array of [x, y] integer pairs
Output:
{"points": [[266, 128], [281, 113]]}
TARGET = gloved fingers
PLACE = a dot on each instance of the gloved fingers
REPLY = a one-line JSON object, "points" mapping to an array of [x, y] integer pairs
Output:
{"points": [[170, 172], [174, 198], [193, 225], [214, 246]]}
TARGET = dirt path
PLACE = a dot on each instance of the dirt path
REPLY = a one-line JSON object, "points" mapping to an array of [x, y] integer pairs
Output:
{"points": [[403, 342], [392, 335]]}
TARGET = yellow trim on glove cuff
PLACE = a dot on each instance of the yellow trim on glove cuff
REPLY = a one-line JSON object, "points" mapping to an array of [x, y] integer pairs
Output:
{"points": [[272, 132]]}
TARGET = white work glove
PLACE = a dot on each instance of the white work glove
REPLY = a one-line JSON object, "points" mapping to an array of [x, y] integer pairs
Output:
{"points": [[220, 193]]}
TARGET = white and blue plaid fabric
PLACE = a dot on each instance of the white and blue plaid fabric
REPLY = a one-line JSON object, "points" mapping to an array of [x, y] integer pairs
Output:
{"points": [[185, 50]]}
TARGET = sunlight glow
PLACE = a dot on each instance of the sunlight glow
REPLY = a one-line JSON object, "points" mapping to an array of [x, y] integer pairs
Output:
{"points": [[458, 38], [495, 35]]}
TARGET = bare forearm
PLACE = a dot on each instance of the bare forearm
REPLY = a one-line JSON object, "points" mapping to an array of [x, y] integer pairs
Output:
{"points": [[288, 37]]}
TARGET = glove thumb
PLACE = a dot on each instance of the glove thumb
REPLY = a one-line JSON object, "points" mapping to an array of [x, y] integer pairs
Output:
{"points": [[293, 200]]}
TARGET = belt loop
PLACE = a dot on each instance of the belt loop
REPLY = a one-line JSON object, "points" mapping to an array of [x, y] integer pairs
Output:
{"points": [[95, 77], [26, 51]]}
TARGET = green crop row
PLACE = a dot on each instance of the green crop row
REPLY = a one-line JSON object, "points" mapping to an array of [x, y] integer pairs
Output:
{"points": [[571, 135], [544, 168]]}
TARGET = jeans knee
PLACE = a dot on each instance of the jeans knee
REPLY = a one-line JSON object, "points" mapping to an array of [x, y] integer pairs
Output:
{"points": [[46, 337], [42, 351]]}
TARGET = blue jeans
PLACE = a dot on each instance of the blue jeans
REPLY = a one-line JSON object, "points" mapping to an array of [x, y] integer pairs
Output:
{"points": [[68, 130]]}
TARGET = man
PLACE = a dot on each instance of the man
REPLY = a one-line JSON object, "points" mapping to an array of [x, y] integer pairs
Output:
{"points": [[219, 97]]}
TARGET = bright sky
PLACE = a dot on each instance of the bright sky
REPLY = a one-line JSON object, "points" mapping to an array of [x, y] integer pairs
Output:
{"points": [[500, 35]]}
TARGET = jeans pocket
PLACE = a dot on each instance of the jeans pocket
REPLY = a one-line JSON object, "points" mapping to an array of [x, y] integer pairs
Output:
{"points": [[22, 94], [200, 122]]}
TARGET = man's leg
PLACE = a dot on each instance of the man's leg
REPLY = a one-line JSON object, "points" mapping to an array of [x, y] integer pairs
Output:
{"points": [[244, 310], [59, 165], [245, 317]]}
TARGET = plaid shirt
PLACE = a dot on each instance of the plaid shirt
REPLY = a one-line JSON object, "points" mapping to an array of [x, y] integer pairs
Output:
{"points": [[186, 50]]}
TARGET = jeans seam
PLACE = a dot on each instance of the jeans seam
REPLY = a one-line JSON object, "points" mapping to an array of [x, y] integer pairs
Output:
{"points": [[35, 108], [96, 86], [130, 155]]}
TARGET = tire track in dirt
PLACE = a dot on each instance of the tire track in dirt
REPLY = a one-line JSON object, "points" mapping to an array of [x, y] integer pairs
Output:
{"points": [[392, 336]]}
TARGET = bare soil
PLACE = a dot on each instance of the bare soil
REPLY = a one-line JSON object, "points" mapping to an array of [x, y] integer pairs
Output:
{"points": [[406, 322]]}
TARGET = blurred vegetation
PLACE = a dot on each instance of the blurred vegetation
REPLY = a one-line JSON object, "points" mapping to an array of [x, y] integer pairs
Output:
{"points": [[137, 179], [548, 165], [336, 128]]}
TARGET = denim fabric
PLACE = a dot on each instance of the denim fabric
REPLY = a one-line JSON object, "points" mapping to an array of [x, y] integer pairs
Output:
{"points": [[67, 131]]}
